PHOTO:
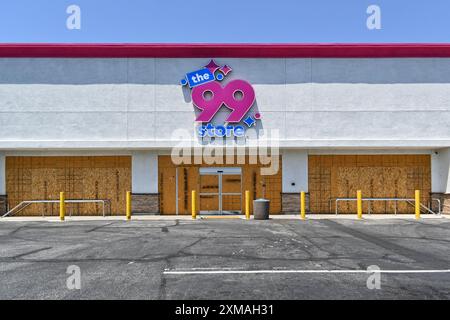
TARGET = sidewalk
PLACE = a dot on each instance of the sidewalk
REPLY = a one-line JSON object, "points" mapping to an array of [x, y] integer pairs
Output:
{"points": [[205, 217]]}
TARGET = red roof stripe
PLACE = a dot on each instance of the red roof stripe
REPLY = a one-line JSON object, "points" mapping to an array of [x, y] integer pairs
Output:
{"points": [[104, 50]]}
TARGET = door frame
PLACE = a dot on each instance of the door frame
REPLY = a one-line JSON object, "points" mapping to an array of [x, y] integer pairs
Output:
{"points": [[220, 172]]}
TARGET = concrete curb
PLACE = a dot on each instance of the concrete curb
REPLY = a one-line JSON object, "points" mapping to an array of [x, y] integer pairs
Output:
{"points": [[189, 218]]}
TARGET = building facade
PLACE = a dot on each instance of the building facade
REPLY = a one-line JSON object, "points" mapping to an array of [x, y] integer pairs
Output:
{"points": [[97, 120]]}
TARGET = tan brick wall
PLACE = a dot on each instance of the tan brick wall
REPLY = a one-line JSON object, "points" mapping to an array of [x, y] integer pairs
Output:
{"points": [[445, 202], [145, 203], [290, 203], [3, 204]]}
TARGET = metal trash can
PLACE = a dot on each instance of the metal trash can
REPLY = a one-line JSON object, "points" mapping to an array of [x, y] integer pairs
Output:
{"points": [[261, 209]]}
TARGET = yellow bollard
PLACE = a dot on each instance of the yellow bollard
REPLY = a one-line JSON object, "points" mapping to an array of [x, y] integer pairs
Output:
{"points": [[128, 210], [302, 205], [417, 204], [247, 204], [359, 204], [62, 206], [194, 207]]}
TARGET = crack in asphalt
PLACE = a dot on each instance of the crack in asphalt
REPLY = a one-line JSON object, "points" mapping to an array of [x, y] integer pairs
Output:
{"points": [[163, 281], [17, 229], [178, 255], [101, 226], [30, 252], [421, 257], [441, 225], [418, 238], [309, 240], [14, 231], [98, 228]]}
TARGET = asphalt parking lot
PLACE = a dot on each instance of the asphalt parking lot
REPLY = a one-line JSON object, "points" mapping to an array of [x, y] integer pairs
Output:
{"points": [[225, 259]]}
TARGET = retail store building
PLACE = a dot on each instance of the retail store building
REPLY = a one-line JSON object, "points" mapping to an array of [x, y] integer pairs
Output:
{"points": [[97, 120]]}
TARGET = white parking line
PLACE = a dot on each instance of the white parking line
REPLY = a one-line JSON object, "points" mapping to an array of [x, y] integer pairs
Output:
{"points": [[228, 271]]}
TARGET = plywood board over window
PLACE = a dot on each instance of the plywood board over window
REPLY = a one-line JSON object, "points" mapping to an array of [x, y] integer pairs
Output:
{"points": [[43, 178], [377, 176]]}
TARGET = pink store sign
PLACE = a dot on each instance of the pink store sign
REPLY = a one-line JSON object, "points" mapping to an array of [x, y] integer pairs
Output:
{"points": [[209, 95]]}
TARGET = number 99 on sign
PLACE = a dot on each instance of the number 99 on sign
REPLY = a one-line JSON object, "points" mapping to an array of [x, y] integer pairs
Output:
{"points": [[237, 95]]}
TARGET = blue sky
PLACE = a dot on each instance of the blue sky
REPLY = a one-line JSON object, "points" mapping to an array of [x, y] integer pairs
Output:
{"points": [[227, 21]]}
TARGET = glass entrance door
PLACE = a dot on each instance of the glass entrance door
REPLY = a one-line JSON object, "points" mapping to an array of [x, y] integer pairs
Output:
{"points": [[220, 190]]}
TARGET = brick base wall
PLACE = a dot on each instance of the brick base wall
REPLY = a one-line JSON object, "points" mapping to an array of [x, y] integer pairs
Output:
{"points": [[445, 202], [145, 203], [290, 203], [3, 204]]}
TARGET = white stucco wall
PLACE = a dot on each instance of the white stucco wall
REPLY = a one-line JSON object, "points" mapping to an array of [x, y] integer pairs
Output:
{"points": [[295, 171], [144, 176], [136, 103], [2, 175], [440, 171]]}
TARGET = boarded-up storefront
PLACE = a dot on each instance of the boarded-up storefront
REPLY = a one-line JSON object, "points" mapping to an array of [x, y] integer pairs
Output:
{"points": [[222, 192], [377, 176], [43, 178]]}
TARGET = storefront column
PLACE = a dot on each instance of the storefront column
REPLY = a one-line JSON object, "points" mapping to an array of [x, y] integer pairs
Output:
{"points": [[440, 178], [144, 180], [3, 200], [294, 180]]}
